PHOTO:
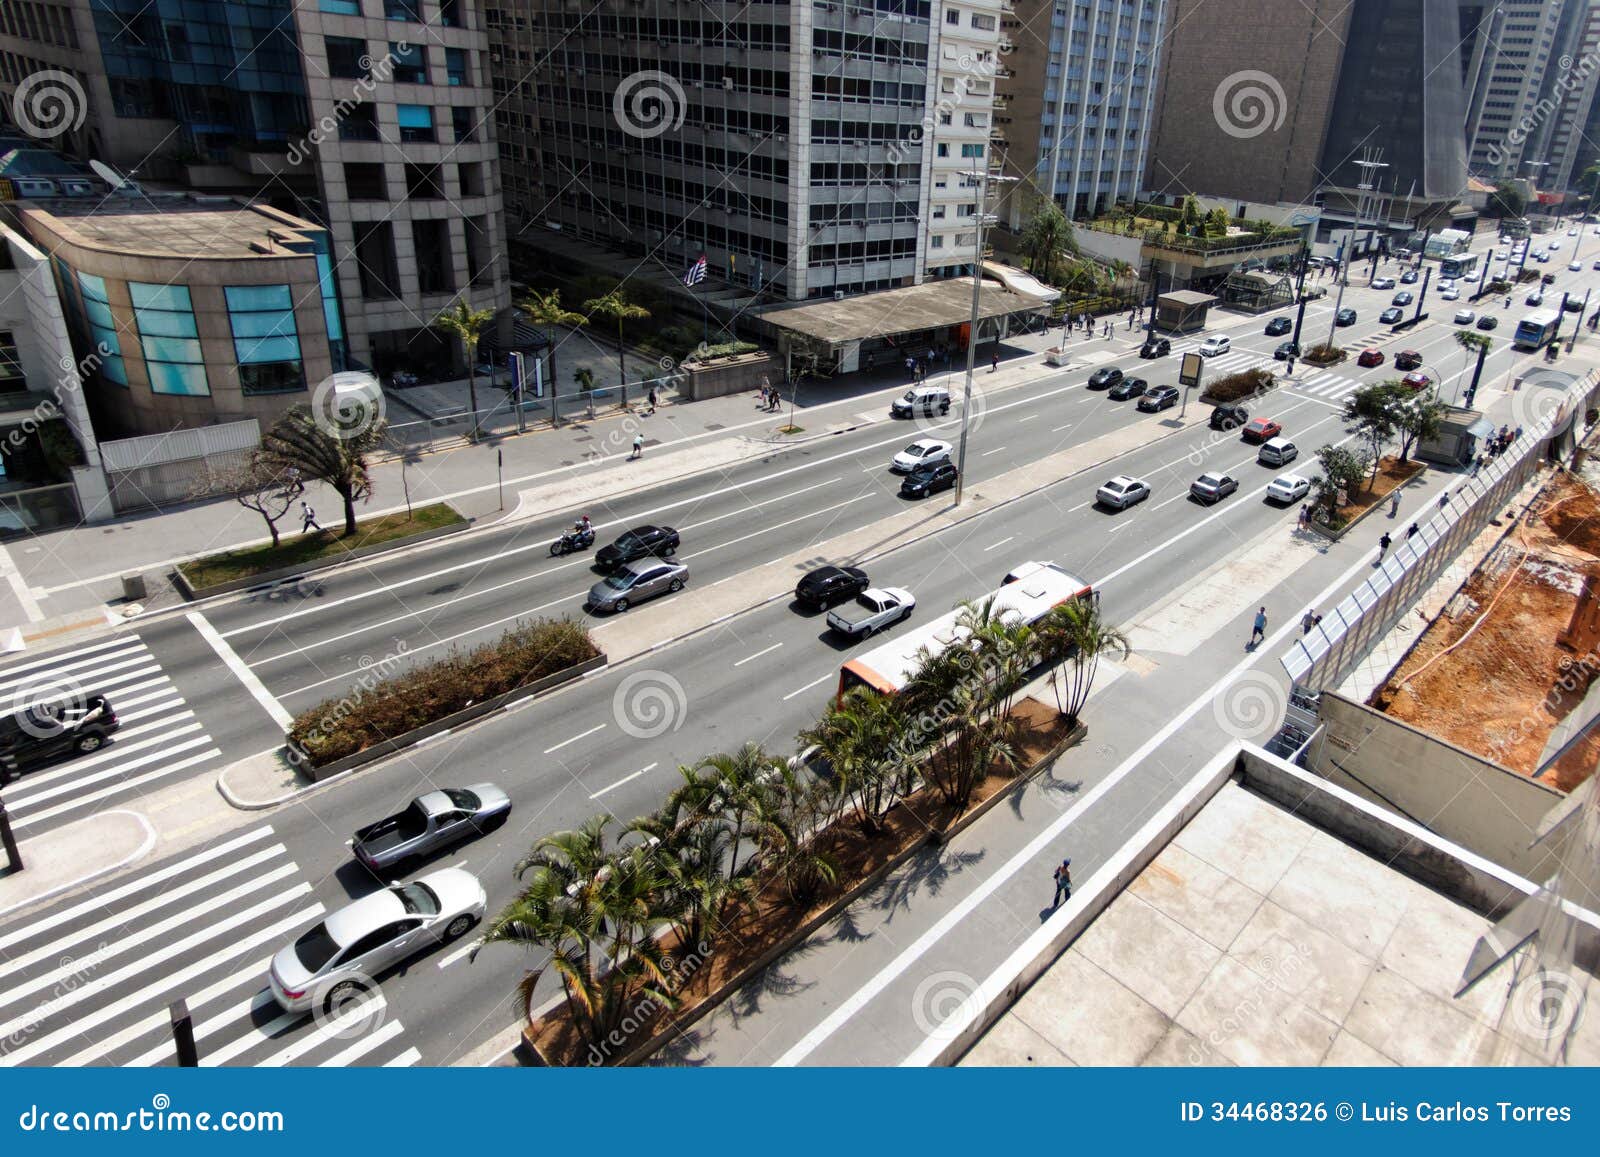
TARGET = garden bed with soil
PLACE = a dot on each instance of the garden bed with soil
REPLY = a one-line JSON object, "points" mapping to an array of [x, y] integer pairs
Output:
{"points": [[1324, 355], [1391, 477], [774, 924], [233, 570]]}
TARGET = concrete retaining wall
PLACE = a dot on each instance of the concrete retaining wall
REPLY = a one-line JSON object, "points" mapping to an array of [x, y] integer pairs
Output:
{"points": [[1462, 797], [734, 375]]}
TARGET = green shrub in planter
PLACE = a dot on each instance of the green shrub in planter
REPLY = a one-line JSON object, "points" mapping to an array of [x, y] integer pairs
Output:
{"points": [[382, 706], [1325, 355], [1234, 387]]}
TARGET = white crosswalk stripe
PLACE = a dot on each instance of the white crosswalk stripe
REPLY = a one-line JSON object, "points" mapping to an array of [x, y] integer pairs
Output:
{"points": [[1329, 385], [90, 982], [158, 739]]}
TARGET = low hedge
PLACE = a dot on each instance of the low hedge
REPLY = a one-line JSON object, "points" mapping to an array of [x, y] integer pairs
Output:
{"points": [[1244, 384], [384, 706], [1324, 355]]}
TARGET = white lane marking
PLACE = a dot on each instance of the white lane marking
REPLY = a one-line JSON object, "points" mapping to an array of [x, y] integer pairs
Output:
{"points": [[996, 450], [124, 785], [250, 974], [1027, 418], [155, 903], [347, 1017], [199, 739], [364, 1045], [405, 1060], [1028, 858], [139, 884], [121, 641], [757, 655], [999, 544], [1058, 429], [623, 780], [575, 738], [247, 677], [807, 687], [171, 982], [461, 952], [19, 587]]}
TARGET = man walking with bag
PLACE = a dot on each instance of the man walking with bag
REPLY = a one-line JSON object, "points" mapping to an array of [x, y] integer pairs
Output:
{"points": [[1063, 883]]}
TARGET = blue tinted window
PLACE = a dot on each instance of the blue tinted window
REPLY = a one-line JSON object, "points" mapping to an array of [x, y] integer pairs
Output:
{"points": [[106, 359], [264, 333], [416, 116], [175, 378], [145, 296], [168, 337], [342, 7]]}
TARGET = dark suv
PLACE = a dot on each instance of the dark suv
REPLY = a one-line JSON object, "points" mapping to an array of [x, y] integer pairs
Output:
{"points": [[640, 542], [42, 731], [1229, 416]]}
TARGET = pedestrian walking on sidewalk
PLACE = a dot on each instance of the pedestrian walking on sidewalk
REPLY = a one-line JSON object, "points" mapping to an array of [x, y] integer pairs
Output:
{"points": [[1305, 514], [1444, 500], [994, 363], [1258, 631], [652, 399], [1384, 542], [1307, 621], [1394, 505], [1410, 530], [308, 518], [638, 447], [1063, 883]]}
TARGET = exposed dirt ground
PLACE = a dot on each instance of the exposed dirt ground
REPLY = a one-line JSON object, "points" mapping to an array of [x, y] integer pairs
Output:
{"points": [[1501, 692]]}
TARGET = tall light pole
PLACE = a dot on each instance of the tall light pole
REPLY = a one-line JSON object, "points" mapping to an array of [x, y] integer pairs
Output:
{"points": [[1367, 165], [983, 177]]}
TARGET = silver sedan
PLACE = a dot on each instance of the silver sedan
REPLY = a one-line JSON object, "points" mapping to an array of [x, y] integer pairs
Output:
{"points": [[636, 582]]}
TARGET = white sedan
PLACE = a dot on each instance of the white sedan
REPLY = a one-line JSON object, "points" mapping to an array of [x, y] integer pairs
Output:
{"points": [[1465, 317], [1122, 492], [1288, 488], [1451, 294], [922, 452], [1575, 266]]}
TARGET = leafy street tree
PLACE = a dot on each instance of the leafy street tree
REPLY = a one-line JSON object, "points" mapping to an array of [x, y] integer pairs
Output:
{"points": [[467, 326], [544, 309], [1507, 200], [1372, 410], [1073, 638], [1343, 472], [1047, 239], [615, 305], [317, 448], [1417, 418], [268, 490]]}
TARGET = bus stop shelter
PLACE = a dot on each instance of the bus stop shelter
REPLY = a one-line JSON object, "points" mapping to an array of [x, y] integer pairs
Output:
{"points": [[1182, 311]]}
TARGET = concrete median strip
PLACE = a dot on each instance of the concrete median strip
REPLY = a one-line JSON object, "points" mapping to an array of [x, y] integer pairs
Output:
{"points": [[74, 855]]}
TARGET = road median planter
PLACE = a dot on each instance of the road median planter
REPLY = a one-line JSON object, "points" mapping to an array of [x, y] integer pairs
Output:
{"points": [[265, 566], [1391, 478], [393, 707], [773, 924]]}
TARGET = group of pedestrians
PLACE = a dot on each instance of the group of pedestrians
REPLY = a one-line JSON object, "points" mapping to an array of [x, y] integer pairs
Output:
{"points": [[770, 399], [1502, 440]]}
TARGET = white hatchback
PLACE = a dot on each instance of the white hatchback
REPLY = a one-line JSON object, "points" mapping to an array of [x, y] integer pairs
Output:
{"points": [[1465, 317], [1122, 492], [922, 452], [1215, 345], [1288, 488], [1451, 294]]}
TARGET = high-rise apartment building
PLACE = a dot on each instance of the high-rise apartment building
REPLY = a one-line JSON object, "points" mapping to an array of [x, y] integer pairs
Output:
{"points": [[1080, 95], [806, 150], [1570, 146], [1522, 86], [371, 117]]}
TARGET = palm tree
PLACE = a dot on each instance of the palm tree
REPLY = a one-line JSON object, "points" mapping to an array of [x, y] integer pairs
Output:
{"points": [[299, 445], [616, 305], [1076, 631], [467, 324], [785, 819], [693, 854], [595, 910], [1047, 238], [1471, 343], [1004, 651], [546, 311], [729, 785], [952, 694], [870, 751]]}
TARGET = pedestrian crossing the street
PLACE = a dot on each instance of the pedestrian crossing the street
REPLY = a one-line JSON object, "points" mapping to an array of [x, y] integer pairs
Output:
{"points": [[159, 740], [91, 982]]}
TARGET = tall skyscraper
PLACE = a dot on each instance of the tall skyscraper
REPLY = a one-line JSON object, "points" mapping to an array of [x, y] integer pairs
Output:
{"points": [[1522, 88]]}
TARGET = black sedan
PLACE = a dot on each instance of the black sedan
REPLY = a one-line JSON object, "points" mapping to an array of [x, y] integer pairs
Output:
{"points": [[1155, 347], [1159, 398], [640, 542], [1286, 350], [1279, 325], [1104, 378], [924, 480], [1127, 388], [1391, 315], [1488, 321], [828, 585], [1345, 317]]}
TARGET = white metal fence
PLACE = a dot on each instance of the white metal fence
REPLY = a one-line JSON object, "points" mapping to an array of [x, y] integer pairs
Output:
{"points": [[158, 468]]}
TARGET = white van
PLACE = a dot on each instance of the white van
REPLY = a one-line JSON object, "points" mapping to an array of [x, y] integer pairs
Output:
{"points": [[921, 400], [1277, 452]]}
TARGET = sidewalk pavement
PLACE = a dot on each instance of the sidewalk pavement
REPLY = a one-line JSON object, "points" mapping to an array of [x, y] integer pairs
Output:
{"points": [[58, 582], [72, 856]]}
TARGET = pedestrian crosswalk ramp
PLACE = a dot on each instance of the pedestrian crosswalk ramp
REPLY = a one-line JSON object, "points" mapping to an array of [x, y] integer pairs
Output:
{"points": [[159, 740], [91, 982]]}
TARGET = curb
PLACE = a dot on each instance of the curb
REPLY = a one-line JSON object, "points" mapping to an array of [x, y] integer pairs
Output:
{"points": [[239, 803], [52, 893]]}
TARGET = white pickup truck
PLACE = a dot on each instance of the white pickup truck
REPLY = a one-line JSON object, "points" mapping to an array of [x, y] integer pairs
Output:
{"points": [[872, 610]]}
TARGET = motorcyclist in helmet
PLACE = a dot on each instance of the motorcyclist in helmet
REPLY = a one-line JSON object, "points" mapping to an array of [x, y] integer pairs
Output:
{"points": [[582, 526]]}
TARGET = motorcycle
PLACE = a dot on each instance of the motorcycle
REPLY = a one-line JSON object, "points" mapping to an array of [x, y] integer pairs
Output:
{"points": [[570, 541]]}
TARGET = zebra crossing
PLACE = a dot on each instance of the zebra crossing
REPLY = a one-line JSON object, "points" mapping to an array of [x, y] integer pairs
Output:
{"points": [[159, 737], [90, 982], [1327, 385]]}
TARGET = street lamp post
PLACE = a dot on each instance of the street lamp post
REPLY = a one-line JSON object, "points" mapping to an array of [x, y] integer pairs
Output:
{"points": [[1367, 164], [983, 177]]}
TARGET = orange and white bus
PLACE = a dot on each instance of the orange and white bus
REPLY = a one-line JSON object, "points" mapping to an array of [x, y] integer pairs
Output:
{"points": [[1029, 593]]}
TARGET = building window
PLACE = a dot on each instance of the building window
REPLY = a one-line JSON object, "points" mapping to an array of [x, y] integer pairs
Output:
{"points": [[983, 22], [416, 123], [341, 7], [12, 379], [345, 55], [455, 63], [365, 182], [450, 14], [465, 123], [360, 124], [952, 16], [435, 267], [265, 340], [169, 339], [941, 150], [937, 242], [410, 10], [470, 176], [410, 63], [424, 183], [972, 150], [375, 261], [479, 251]]}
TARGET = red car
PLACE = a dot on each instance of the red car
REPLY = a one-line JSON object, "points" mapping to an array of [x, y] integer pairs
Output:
{"points": [[1417, 381], [1407, 360], [1260, 429], [1370, 358]]}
